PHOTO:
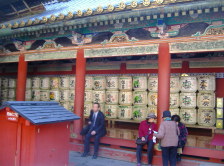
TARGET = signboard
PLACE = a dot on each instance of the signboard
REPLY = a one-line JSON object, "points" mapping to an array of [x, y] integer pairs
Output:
{"points": [[9, 58], [12, 116], [122, 51], [51, 55]]}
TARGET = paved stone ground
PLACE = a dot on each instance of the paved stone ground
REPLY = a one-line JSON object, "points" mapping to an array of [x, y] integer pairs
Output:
{"points": [[76, 160]]}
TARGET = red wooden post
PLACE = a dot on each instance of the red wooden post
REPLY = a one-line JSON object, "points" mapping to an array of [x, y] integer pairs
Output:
{"points": [[21, 79], [79, 90], [163, 80]]}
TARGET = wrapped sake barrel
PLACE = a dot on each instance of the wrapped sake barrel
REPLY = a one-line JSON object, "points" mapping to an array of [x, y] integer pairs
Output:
{"points": [[125, 112], [45, 83], [139, 113], [65, 104], [89, 83], [54, 95], [152, 110], [12, 83], [153, 84], [110, 111], [64, 82], [88, 106], [174, 100], [140, 83], [72, 96], [4, 94], [44, 95], [140, 97], [187, 100], [36, 95], [174, 84], [5, 82], [206, 100], [99, 83], [28, 83], [112, 97], [99, 96], [206, 83], [175, 111], [188, 116], [72, 82], [64, 95], [206, 117], [112, 83], [36, 83], [88, 96], [54, 82], [125, 98], [71, 106], [152, 99], [28, 95], [188, 84], [11, 93], [102, 107], [125, 83]]}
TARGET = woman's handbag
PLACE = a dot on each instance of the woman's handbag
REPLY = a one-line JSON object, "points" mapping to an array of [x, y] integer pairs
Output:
{"points": [[140, 142]]}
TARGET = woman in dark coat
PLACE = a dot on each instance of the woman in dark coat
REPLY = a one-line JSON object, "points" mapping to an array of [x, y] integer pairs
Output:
{"points": [[182, 136], [146, 129]]}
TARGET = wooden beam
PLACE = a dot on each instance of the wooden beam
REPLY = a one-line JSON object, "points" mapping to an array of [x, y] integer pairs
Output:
{"points": [[27, 6], [14, 9]]}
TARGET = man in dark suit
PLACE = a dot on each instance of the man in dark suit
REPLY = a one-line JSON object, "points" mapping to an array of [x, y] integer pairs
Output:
{"points": [[96, 128]]}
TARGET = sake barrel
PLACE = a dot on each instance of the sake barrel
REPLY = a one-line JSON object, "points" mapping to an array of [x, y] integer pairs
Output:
{"points": [[12, 83], [87, 108], [110, 111], [99, 96], [112, 97], [124, 112], [175, 111], [99, 83], [112, 83], [28, 95], [206, 100], [44, 95], [72, 96], [125, 98], [140, 83], [152, 99], [28, 83], [5, 82], [174, 84], [174, 100], [206, 117], [153, 84], [72, 82], [88, 96], [140, 97], [71, 106], [11, 93], [102, 107], [187, 100], [139, 113], [64, 95], [206, 83], [188, 116], [54, 82], [36, 83], [64, 82], [36, 95], [188, 84], [89, 83], [125, 83], [152, 110], [45, 83], [54, 95], [4, 94], [65, 104]]}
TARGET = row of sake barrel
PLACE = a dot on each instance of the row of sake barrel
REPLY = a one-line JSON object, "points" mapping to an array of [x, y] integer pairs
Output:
{"points": [[68, 105], [7, 89], [183, 84], [47, 82]]}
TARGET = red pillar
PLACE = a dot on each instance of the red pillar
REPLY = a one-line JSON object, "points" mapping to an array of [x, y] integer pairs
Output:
{"points": [[163, 80], [79, 90], [21, 79]]}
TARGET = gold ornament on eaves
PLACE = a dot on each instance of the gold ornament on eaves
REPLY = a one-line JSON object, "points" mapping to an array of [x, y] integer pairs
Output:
{"points": [[52, 18], [9, 25], [61, 16], [22, 24], [159, 1], [110, 8], [122, 5], [134, 4], [99, 9], [69, 15], [79, 13], [36, 21], [89, 11], [3, 26], [146, 2], [44, 19], [29, 22], [15, 25]]}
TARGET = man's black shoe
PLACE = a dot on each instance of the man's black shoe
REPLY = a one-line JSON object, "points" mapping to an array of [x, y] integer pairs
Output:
{"points": [[94, 156], [85, 154]]}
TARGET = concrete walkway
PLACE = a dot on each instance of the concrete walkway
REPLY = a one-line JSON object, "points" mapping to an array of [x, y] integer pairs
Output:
{"points": [[76, 160]]}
